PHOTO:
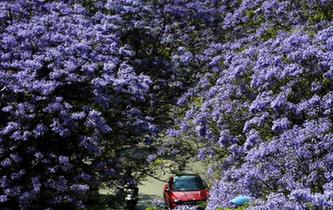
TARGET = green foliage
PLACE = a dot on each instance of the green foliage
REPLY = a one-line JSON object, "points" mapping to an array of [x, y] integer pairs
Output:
{"points": [[250, 13], [202, 204], [238, 208], [152, 208], [270, 34]]}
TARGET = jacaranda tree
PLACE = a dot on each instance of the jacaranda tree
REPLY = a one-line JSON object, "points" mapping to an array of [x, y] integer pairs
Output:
{"points": [[85, 85], [262, 110]]}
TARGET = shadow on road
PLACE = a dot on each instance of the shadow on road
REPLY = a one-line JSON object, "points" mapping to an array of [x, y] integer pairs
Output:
{"points": [[145, 201]]}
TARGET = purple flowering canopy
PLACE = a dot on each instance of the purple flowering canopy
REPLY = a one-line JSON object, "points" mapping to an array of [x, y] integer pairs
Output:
{"points": [[78, 97], [263, 108], [84, 85]]}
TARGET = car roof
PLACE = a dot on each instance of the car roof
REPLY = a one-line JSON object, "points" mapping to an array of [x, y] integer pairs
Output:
{"points": [[179, 175]]}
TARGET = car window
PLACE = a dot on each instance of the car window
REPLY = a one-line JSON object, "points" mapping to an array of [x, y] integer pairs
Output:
{"points": [[188, 183]]}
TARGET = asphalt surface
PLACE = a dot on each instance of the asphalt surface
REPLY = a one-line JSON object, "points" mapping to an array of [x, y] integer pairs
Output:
{"points": [[148, 191]]}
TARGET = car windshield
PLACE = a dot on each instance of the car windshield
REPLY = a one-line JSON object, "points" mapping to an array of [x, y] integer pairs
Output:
{"points": [[188, 183]]}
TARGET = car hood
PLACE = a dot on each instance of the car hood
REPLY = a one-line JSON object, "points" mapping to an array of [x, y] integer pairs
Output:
{"points": [[190, 195]]}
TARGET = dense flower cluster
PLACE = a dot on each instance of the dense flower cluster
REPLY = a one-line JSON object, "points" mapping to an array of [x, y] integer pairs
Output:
{"points": [[86, 85], [264, 105], [71, 99]]}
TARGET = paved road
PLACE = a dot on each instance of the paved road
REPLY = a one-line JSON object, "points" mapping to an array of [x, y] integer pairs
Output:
{"points": [[148, 191]]}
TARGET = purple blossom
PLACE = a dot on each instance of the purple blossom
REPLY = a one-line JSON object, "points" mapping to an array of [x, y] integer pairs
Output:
{"points": [[280, 124], [151, 157], [261, 103], [16, 158], [63, 160], [3, 198], [78, 115], [279, 103], [252, 139], [6, 163], [173, 133], [125, 52], [40, 130], [202, 154], [11, 126], [7, 108], [80, 188]]}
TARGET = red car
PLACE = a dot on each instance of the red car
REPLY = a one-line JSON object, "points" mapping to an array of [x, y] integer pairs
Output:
{"points": [[184, 189]]}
